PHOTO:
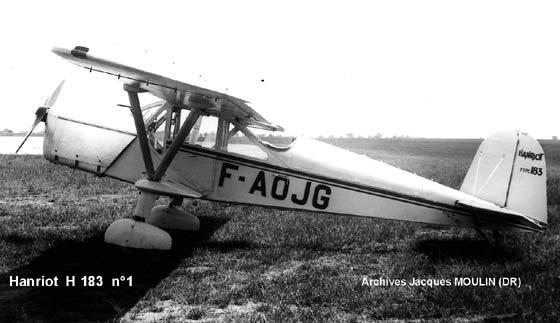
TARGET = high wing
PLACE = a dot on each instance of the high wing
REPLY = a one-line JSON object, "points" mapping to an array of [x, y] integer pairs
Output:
{"points": [[177, 93]]}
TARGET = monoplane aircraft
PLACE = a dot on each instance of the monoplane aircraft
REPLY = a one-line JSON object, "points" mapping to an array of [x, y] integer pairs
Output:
{"points": [[251, 161]]}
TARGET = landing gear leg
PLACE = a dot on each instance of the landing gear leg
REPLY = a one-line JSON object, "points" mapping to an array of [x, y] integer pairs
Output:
{"points": [[135, 232], [144, 206]]}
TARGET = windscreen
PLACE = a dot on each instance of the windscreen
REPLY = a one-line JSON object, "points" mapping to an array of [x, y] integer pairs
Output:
{"points": [[281, 140]]}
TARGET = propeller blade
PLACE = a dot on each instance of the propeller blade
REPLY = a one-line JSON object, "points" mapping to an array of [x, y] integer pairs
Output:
{"points": [[52, 99], [42, 112], [37, 120]]}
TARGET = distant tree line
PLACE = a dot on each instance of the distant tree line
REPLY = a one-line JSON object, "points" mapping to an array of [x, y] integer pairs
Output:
{"points": [[10, 133]]}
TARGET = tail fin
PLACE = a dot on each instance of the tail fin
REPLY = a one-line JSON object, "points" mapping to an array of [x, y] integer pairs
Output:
{"points": [[509, 170]]}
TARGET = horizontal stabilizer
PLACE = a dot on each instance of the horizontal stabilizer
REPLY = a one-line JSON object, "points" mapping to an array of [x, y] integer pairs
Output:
{"points": [[493, 217], [167, 188]]}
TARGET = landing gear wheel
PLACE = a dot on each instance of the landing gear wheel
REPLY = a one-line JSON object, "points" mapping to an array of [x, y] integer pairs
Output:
{"points": [[135, 234], [170, 218]]}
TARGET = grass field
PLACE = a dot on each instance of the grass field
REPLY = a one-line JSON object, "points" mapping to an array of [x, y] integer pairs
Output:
{"points": [[262, 264]]}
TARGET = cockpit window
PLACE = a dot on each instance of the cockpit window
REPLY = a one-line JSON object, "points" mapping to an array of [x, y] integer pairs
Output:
{"points": [[154, 118], [151, 111], [163, 123], [239, 143], [204, 132], [217, 134]]}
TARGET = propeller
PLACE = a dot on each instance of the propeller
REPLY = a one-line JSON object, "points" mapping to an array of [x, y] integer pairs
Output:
{"points": [[41, 113]]}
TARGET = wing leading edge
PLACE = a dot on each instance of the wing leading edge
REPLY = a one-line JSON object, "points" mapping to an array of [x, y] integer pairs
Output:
{"points": [[183, 95]]}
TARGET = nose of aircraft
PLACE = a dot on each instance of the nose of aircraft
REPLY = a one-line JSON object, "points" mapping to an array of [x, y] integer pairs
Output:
{"points": [[42, 111]]}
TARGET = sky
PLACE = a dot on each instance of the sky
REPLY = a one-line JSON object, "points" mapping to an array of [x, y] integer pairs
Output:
{"points": [[458, 69]]}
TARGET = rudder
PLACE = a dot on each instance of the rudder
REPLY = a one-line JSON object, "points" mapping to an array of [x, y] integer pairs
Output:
{"points": [[509, 170]]}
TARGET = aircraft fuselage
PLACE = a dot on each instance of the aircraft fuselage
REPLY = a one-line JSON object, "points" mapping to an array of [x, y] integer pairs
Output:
{"points": [[311, 175]]}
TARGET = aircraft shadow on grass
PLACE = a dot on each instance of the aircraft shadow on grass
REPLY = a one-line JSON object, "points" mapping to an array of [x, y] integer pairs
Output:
{"points": [[469, 249], [94, 257]]}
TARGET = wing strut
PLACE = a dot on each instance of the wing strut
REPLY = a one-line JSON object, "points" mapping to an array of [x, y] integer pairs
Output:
{"points": [[140, 128], [176, 144], [171, 152]]}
